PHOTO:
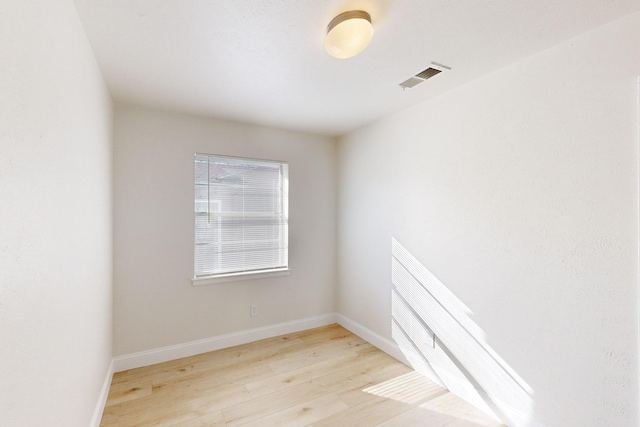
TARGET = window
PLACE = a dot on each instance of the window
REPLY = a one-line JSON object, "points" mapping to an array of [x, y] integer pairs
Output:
{"points": [[241, 216]]}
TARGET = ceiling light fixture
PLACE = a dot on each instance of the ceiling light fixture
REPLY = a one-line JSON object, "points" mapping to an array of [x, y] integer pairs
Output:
{"points": [[348, 34]]}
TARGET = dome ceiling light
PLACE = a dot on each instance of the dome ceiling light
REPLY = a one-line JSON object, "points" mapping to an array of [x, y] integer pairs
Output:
{"points": [[348, 34]]}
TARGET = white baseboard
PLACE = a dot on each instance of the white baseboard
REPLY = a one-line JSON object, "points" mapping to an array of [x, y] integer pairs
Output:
{"points": [[164, 354], [371, 337], [102, 398]]}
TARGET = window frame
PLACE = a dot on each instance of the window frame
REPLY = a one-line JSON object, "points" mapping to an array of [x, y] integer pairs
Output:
{"points": [[231, 276]]}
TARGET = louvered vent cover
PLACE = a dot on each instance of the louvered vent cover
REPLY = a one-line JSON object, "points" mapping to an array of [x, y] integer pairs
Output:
{"points": [[428, 73], [424, 75]]}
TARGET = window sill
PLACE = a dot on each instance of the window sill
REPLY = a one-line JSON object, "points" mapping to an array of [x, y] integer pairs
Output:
{"points": [[234, 277]]}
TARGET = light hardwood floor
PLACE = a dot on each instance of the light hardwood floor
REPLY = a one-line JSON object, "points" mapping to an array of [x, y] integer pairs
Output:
{"points": [[320, 377]]}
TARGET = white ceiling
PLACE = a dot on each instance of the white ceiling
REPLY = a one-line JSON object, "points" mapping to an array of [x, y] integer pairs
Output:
{"points": [[263, 61]]}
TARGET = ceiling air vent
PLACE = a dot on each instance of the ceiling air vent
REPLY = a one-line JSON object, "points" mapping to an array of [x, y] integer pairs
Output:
{"points": [[423, 75], [428, 73]]}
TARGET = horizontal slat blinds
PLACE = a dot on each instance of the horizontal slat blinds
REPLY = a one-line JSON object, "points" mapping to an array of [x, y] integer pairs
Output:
{"points": [[241, 215]]}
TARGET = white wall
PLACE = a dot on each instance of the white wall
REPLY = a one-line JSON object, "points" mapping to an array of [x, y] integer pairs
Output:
{"points": [[155, 303], [519, 193], [55, 218]]}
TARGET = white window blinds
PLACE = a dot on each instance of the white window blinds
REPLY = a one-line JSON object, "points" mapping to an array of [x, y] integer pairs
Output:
{"points": [[241, 215]]}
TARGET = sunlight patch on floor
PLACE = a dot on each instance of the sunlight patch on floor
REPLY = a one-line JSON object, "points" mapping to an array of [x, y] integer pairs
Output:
{"points": [[410, 388]]}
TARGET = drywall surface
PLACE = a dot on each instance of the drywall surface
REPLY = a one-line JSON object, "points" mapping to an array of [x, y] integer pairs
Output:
{"points": [[507, 209], [155, 303], [55, 218]]}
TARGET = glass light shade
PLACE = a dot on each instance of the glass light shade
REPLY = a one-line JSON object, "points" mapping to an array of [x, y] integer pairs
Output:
{"points": [[348, 34]]}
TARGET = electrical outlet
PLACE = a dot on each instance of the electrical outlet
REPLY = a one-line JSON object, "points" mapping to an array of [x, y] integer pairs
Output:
{"points": [[253, 310]]}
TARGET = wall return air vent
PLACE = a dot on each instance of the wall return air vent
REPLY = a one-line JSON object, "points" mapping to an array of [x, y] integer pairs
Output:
{"points": [[423, 75]]}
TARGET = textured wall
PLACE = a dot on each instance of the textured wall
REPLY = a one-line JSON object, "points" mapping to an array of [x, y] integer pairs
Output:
{"points": [[155, 303], [519, 194], [55, 218]]}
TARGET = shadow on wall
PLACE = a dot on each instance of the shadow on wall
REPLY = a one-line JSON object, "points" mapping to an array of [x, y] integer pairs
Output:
{"points": [[435, 332]]}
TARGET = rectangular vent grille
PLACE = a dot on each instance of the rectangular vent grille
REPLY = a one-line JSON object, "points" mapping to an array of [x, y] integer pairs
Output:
{"points": [[428, 73], [423, 75]]}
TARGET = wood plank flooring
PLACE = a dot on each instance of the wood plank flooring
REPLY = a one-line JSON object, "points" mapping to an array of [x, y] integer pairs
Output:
{"points": [[320, 377]]}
